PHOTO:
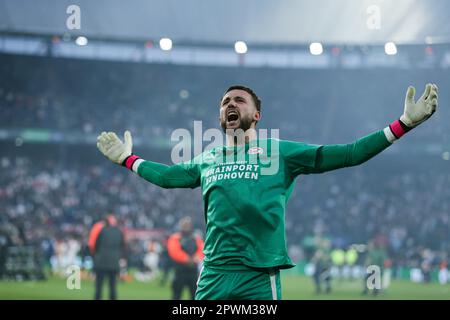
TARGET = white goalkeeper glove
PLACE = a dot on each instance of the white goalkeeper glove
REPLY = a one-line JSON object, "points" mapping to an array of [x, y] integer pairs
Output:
{"points": [[417, 112], [113, 148]]}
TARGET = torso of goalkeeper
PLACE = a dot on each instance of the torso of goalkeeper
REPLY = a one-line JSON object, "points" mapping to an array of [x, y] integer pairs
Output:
{"points": [[244, 206]]}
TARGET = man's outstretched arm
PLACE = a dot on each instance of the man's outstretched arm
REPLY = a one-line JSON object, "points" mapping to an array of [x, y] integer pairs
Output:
{"points": [[331, 157], [183, 175], [336, 156]]}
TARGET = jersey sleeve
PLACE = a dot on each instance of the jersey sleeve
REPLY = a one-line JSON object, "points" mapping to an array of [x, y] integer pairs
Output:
{"points": [[302, 158], [299, 157], [336, 156], [181, 175]]}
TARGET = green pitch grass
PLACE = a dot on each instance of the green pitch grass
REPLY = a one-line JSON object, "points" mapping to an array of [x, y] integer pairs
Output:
{"points": [[294, 287]]}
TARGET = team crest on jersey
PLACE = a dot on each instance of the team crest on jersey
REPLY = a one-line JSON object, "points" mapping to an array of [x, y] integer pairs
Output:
{"points": [[255, 150]]}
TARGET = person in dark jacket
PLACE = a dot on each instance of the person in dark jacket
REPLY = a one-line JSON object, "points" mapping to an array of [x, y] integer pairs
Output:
{"points": [[107, 245], [165, 262], [186, 250]]}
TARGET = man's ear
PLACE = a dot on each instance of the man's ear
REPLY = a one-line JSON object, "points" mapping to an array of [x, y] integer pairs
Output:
{"points": [[257, 116]]}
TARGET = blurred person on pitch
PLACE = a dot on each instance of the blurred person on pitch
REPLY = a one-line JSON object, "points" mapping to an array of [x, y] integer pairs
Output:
{"points": [[165, 262], [375, 256], [107, 246], [322, 265], [245, 201], [150, 262], [186, 250]]}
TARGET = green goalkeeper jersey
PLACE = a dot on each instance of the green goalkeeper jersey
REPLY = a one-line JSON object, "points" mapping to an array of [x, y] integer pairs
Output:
{"points": [[245, 190]]}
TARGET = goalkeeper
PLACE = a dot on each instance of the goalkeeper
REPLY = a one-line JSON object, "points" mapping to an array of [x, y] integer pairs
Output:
{"points": [[245, 245]]}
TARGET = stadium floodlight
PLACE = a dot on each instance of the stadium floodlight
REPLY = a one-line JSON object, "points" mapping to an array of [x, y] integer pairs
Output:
{"points": [[184, 94], [316, 48], [165, 44], [446, 155], [81, 41], [390, 48], [240, 47]]}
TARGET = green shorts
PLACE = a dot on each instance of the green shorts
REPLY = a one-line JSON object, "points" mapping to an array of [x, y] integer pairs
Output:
{"points": [[250, 284]]}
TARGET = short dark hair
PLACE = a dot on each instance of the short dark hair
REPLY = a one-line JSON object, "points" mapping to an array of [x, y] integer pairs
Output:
{"points": [[256, 100]]}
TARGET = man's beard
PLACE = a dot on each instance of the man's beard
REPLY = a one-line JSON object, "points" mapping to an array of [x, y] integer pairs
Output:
{"points": [[244, 124]]}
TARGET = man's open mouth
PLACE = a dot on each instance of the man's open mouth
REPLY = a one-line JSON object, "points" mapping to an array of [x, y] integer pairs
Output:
{"points": [[232, 116]]}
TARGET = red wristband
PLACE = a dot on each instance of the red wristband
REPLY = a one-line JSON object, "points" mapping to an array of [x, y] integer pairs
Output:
{"points": [[129, 161], [397, 129]]}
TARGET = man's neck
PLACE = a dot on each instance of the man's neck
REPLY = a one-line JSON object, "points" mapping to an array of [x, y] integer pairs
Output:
{"points": [[234, 140]]}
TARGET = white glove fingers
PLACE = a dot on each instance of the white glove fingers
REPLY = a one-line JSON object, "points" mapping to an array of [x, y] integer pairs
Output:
{"points": [[127, 138], [431, 107], [101, 147], [101, 136], [112, 147], [106, 141], [428, 88], [426, 92], [417, 112], [433, 95], [103, 139], [410, 94], [434, 103], [110, 136], [113, 138], [435, 87]]}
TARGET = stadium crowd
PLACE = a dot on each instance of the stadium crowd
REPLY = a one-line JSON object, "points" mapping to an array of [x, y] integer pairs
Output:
{"points": [[53, 206]]}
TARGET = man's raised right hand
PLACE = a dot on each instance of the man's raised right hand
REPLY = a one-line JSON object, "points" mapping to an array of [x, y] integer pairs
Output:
{"points": [[113, 148]]}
